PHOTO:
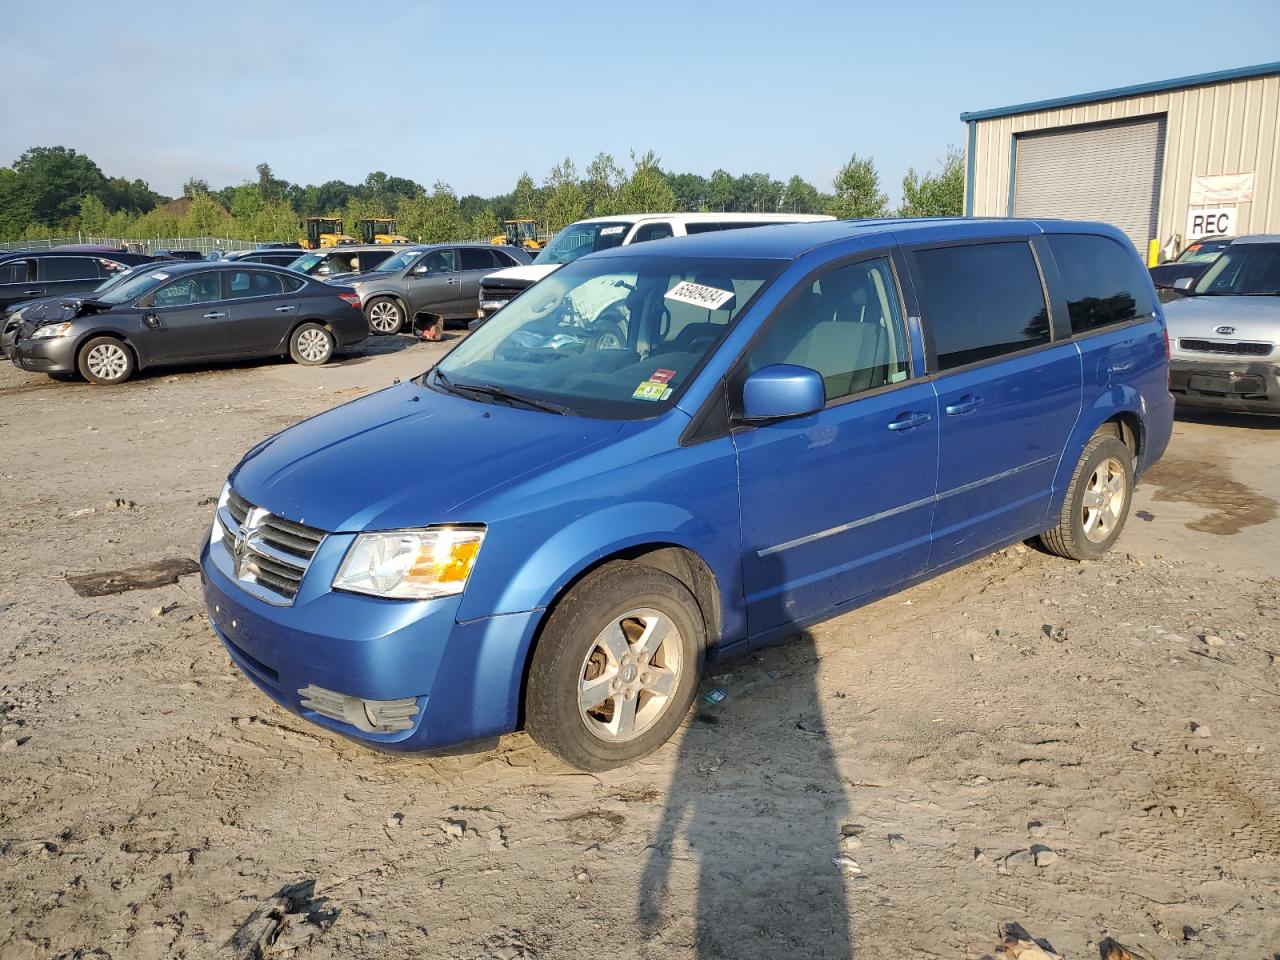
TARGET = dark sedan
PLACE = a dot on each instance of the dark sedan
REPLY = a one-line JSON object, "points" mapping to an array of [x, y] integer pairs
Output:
{"points": [[29, 274], [188, 313], [437, 282], [1190, 264]]}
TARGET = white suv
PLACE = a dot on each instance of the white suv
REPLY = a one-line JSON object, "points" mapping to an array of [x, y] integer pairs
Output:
{"points": [[602, 233]]}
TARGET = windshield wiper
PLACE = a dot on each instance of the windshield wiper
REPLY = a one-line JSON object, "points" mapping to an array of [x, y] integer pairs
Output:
{"points": [[501, 393], [444, 381]]}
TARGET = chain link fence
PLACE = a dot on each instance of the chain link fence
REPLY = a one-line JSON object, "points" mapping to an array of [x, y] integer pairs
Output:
{"points": [[205, 245]]}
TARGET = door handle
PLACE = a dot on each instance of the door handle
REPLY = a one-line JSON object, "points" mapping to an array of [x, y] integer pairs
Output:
{"points": [[908, 421], [32, 293], [452, 280], [285, 309], [1122, 367], [214, 315], [966, 404]]}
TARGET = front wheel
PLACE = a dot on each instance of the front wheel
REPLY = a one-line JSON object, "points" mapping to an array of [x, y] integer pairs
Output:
{"points": [[311, 345], [616, 668], [105, 361], [1097, 502], [385, 316]]}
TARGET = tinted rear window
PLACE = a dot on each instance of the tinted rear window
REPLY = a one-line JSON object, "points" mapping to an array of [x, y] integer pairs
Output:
{"points": [[981, 300], [474, 258], [1103, 281], [68, 268]]}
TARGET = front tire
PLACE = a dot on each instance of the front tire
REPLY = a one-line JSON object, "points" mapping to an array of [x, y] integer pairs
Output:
{"points": [[385, 316], [616, 668], [105, 361], [311, 345], [1097, 502]]}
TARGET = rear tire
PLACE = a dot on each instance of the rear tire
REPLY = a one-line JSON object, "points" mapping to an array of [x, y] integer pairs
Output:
{"points": [[385, 316], [616, 667], [311, 345], [105, 361], [1097, 502]]}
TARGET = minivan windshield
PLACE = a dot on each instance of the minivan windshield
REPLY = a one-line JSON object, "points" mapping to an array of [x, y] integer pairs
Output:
{"points": [[579, 239], [1243, 270], [616, 337], [134, 287]]}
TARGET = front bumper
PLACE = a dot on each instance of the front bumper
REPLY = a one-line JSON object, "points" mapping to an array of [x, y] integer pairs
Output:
{"points": [[52, 355], [1241, 385], [465, 678]]}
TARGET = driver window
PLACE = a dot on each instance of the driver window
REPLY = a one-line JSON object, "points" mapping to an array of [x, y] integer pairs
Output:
{"points": [[189, 290], [847, 325], [652, 231], [437, 261]]}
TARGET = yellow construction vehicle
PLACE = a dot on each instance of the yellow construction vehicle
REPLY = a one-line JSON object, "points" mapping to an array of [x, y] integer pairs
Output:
{"points": [[324, 232], [381, 230], [519, 233]]}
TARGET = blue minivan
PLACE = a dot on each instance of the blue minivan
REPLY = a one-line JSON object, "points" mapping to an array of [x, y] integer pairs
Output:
{"points": [[678, 450]]}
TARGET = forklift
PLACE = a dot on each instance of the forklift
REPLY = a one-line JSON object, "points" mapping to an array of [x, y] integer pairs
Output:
{"points": [[519, 233], [324, 232], [381, 230]]}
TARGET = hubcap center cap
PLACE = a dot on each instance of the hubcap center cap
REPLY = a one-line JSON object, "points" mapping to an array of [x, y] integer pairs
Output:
{"points": [[629, 673]]}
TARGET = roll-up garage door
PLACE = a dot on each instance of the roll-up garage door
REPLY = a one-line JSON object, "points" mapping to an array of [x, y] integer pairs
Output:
{"points": [[1109, 172]]}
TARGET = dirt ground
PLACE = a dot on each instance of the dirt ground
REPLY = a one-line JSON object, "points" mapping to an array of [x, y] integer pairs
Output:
{"points": [[1090, 750]]}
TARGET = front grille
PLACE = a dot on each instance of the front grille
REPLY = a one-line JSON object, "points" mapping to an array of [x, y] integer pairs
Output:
{"points": [[496, 294], [270, 554], [1239, 348]]}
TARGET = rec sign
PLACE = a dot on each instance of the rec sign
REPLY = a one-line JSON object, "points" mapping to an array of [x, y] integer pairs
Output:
{"points": [[1208, 223]]}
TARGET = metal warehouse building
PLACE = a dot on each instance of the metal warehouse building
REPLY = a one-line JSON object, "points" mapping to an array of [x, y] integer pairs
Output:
{"points": [[1165, 162]]}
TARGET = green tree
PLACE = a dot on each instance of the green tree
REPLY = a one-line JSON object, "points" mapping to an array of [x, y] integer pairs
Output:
{"points": [[646, 190], [565, 201], [857, 191], [938, 194], [94, 216], [204, 218], [600, 188], [527, 205], [195, 187], [801, 196], [432, 219], [484, 225], [271, 188], [720, 191], [690, 191], [51, 181]]}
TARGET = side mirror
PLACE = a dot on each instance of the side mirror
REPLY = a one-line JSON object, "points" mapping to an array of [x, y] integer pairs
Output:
{"points": [[1184, 283], [420, 270], [151, 319], [782, 390]]}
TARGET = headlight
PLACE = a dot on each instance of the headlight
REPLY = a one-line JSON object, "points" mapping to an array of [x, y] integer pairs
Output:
{"points": [[411, 564], [51, 330], [217, 532]]}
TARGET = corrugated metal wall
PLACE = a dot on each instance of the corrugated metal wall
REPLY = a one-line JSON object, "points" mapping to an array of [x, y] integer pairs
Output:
{"points": [[1231, 127]]}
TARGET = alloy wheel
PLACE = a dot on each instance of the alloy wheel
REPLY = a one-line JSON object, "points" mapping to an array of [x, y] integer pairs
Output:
{"points": [[384, 316], [630, 675], [313, 345], [1103, 500]]}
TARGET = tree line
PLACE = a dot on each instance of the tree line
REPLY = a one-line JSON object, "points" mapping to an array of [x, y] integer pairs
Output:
{"points": [[56, 191]]}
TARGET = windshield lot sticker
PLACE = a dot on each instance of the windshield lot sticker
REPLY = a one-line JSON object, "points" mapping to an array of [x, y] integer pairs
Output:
{"points": [[713, 298], [652, 390], [610, 231], [661, 376], [159, 276]]}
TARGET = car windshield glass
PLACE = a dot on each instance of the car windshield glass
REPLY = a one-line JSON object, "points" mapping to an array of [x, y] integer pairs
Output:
{"points": [[1243, 270], [616, 337], [579, 239], [118, 278], [134, 287], [398, 262], [307, 262], [1203, 252]]}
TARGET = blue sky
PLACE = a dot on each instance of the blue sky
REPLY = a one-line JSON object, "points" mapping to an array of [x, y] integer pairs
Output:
{"points": [[474, 93]]}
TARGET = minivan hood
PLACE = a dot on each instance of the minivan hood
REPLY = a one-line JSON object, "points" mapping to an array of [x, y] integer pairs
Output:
{"points": [[1254, 318], [407, 456], [528, 274]]}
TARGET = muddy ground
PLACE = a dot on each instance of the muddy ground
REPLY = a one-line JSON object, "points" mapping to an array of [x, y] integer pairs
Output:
{"points": [[1089, 750]]}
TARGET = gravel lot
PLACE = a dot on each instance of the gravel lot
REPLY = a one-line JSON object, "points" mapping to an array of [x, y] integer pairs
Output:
{"points": [[1091, 750]]}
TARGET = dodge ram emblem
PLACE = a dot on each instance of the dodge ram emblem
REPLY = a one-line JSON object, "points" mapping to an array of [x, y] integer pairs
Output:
{"points": [[1224, 330]]}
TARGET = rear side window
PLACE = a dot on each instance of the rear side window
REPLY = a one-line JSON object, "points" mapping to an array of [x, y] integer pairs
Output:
{"points": [[504, 259], [372, 259], [474, 258], [1103, 281], [242, 284], [981, 300], [652, 231], [703, 226], [67, 268]]}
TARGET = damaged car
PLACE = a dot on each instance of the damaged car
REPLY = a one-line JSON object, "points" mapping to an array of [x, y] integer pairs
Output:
{"points": [[190, 313]]}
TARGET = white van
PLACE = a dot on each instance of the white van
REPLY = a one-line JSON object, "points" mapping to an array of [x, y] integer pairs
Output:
{"points": [[602, 233]]}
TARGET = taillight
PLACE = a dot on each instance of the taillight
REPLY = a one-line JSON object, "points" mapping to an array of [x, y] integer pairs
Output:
{"points": [[354, 299]]}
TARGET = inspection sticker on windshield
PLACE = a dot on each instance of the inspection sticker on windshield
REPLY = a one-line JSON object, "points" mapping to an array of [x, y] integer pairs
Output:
{"points": [[610, 231], [661, 375], [713, 298], [652, 390], [159, 276]]}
